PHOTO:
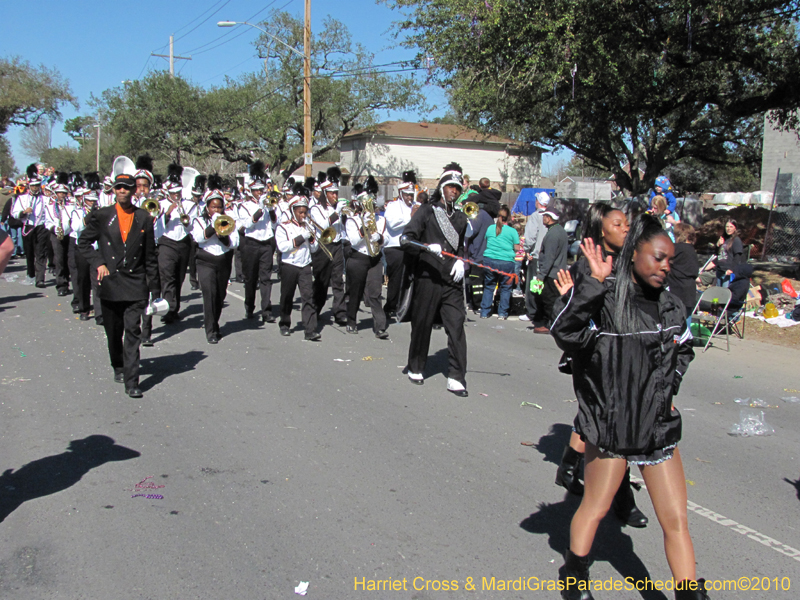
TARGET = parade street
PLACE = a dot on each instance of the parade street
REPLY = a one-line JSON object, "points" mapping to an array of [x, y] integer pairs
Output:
{"points": [[276, 461]]}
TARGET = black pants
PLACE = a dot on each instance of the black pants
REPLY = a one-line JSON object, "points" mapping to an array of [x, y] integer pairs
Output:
{"points": [[193, 264], [293, 277], [364, 278], [121, 322], [35, 246], [257, 269], [61, 260], [237, 260], [474, 287], [329, 273], [213, 273], [173, 258], [432, 295], [530, 297], [397, 270], [81, 279], [547, 300]]}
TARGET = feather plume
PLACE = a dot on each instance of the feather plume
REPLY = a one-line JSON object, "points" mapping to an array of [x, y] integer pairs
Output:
{"points": [[32, 171], [409, 177], [215, 182], [371, 186], [144, 162], [334, 174], [200, 182]]}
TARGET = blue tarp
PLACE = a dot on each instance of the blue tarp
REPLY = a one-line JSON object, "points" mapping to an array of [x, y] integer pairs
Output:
{"points": [[526, 201]]}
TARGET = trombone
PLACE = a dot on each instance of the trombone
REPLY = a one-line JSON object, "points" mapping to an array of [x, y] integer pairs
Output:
{"points": [[325, 236], [152, 206], [186, 220]]}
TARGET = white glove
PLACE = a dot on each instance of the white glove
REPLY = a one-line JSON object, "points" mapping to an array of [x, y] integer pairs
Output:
{"points": [[215, 217], [437, 250], [375, 237], [457, 272], [306, 234]]}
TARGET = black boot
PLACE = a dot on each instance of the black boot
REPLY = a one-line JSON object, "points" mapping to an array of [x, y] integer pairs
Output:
{"points": [[625, 506], [568, 470], [576, 571], [688, 594]]}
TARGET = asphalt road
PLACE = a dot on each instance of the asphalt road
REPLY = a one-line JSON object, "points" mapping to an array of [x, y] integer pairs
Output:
{"points": [[281, 461]]}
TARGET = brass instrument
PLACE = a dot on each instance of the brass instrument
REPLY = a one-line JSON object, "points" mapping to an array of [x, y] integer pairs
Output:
{"points": [[324, 236], [152, 206], [186, 220], [369, 226], [470, 210], [59, 227], [224, 225]]}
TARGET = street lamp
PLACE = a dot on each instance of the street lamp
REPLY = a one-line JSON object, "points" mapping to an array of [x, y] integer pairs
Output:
{"points": [[307, 143]]}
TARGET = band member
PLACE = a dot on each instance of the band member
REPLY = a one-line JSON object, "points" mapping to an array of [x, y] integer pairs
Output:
{"points": [[438, 279], [106, 197], [175, 243], [257, 220], [365, 231], [144, 179], [84, 278], [55, 210], [216, 237], [329, 271], [29, 208], [398, 213], [232, 210], [127, 271], [297, 243]]}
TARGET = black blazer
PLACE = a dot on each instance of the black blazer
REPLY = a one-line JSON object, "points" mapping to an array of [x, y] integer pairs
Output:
{"points": [[133, 265]]}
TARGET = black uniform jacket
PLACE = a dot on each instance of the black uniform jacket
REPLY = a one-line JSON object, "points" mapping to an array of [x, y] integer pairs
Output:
{"points": [[424, 228], [624, 382], [132, 265]]}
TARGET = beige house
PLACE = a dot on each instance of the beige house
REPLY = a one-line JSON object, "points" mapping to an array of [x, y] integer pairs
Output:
{"points": [[388, 149]]}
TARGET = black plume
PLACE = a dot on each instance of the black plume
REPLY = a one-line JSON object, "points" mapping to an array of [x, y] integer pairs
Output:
{"points": [[174, 172], [334, 174], [200, 183], [75, 180], [409, 177], [371, 186], [62, 178], [310, 183], [322, 177], [158, 181], [298, 189], [32, 171], [357, 189], [257, 170], [453, 167], [215, 182], [290, 183], [92, 180], [144, 162]]}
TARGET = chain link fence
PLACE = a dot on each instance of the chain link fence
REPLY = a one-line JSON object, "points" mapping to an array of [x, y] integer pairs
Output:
{"points": [[782, 238]]}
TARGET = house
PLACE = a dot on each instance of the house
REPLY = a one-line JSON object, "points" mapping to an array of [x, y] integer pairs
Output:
{"points": [[387, 149], [780, 150]]}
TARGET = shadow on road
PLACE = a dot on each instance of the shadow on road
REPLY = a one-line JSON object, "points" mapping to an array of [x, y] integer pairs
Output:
{"points": [[8, 299], [54, 474], [796, 485], [610, 544], [159, 368]]}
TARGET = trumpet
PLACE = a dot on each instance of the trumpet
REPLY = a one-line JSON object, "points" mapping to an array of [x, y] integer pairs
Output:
{"points": [[470, 210], [224, 225], [152, 206], [325, 236]]}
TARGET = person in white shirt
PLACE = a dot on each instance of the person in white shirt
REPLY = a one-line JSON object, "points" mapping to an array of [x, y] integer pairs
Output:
{"points": [[398, 263], [214, 258], [329, 271], [29, 208], [59, 240], [364, 266], [106, 197], [257, 220], [297, 243], [84, 278]]}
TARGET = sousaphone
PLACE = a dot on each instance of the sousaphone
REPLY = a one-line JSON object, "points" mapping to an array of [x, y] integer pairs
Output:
{"points": [[123, 165]]}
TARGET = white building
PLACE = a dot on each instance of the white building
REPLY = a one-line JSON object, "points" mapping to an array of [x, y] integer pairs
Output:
{"points": [[388, 149]]}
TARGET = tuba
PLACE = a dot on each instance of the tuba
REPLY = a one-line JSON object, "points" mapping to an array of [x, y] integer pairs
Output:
{"points": [[224, 225], [123, 165]]}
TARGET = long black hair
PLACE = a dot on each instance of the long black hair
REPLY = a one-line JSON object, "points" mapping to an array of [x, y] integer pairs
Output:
{"points": [[594, 221], [643, 229]]}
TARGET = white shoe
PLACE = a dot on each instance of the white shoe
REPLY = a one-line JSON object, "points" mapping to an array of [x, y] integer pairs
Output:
{"points": [[416, 378], [517, 294], [456, 387], [524, 318]]}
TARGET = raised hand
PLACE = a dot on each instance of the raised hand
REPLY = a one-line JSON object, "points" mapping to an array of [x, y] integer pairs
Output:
{"points": [[601, 268], [564, 282]]}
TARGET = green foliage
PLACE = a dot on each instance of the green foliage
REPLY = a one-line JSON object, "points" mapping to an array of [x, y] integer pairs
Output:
{"points": [[28, 93], [654, 82], [7, 165], [260, 115]]}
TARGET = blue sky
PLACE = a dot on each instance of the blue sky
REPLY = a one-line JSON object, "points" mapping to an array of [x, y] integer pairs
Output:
{"points": [[102, 44]]}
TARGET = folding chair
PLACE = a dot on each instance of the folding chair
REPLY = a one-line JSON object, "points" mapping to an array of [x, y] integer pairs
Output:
{"points": [[705, 303], [735, 319]]}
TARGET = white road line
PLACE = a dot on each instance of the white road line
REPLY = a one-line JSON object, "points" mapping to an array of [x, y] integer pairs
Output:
{"points": [[719, 519], [230, 293]]}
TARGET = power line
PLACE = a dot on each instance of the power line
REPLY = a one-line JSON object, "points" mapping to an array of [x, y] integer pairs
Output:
{"points": [[198, 17], [145, 66], [204, 20], [226, 34]]}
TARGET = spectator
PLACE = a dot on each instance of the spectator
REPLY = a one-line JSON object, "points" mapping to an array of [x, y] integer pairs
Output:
{"points": [[659, 209], [534, 236], [502, 242], [730, 252], [6, 249], [739, 286], [552, 259], [684, 268], [664, 188], [475, 242]]}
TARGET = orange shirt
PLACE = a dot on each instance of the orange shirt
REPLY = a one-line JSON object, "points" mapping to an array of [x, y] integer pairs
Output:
{"points": [[125, 222]]}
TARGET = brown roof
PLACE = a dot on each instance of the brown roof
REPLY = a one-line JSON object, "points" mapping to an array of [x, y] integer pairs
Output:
{"points": [[428, 131]]}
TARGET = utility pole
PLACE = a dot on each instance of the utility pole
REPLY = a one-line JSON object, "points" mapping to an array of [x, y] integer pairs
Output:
{"points": [[307, 137], [98, 146], [171, 57]]}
